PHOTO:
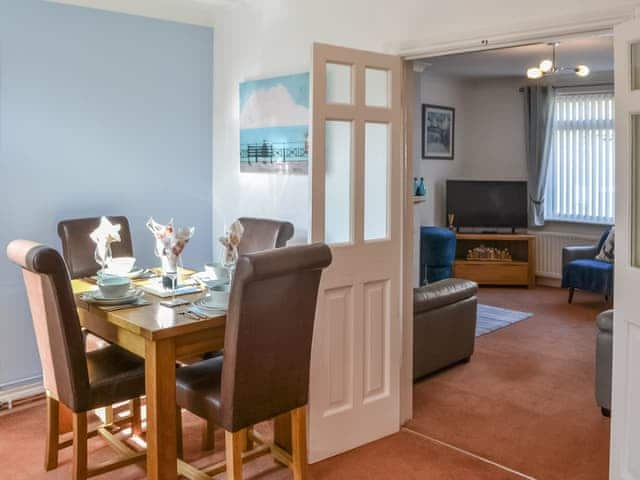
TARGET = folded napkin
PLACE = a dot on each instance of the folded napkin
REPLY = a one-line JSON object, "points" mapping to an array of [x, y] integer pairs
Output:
{"points": [[104, 236], [230, 241], [170, 242], [205, 314]]}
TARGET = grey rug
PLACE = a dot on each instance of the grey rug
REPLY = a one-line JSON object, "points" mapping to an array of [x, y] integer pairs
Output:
{"points": [[491, 318]]}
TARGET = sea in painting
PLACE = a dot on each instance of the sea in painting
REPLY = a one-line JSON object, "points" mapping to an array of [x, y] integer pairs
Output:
{"points": [[274, 125]]}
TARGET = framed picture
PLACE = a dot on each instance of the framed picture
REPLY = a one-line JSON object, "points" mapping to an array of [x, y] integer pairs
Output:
{"points": [[438, 128], [274, 125]]}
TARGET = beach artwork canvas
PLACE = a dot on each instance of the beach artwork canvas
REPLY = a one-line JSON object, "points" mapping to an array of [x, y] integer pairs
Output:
{"points": [[274, 125]]}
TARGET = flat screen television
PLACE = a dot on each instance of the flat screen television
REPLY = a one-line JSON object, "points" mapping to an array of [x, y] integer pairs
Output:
{"points": [[488, 204]]}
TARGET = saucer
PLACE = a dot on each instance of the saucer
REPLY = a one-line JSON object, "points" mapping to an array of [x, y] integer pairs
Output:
{"points": [[207, 303]]}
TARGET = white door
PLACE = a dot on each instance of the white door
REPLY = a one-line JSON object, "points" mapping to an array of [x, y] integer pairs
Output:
{"points": [[356, 209], [625, 433]]}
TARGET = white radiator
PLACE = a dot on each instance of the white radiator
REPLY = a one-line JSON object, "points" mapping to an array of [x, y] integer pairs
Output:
{"points": [[549, 251]]}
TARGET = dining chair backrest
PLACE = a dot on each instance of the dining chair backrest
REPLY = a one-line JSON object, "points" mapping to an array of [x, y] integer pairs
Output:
{"points": [[267, 347], [78, 248], [263, 234], [55, 321]]}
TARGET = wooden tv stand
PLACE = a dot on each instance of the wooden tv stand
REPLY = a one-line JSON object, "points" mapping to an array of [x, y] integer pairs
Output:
{"points": [[521, 271]]}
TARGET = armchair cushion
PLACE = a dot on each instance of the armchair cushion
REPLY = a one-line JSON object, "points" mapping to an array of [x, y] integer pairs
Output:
{"points": [[588, 274]]}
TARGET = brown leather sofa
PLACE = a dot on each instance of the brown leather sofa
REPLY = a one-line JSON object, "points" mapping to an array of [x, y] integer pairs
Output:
{"points": [[444, 324]]}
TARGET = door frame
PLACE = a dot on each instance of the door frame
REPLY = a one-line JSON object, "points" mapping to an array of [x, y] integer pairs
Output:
{"points": [[536, 32]]}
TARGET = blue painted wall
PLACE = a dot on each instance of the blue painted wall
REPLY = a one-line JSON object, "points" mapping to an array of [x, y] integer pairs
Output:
{"points": [[100, 113]]}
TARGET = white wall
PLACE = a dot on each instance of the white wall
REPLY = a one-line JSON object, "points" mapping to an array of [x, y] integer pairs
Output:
{"points": [[274, 37], [496, 136], [449, 92]]}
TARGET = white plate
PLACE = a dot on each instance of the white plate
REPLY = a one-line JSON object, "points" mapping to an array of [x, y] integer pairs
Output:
{"points": [[206, 303], [205, 312], [95, 296]]}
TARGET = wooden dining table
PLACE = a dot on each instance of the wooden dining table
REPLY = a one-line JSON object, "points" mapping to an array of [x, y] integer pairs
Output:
{"points": [[162, 336]]}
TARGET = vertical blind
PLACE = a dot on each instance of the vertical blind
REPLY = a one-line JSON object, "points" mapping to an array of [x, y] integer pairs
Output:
{"points": [[580, 182]]}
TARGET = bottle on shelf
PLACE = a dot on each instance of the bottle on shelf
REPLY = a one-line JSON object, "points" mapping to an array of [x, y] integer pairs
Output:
{"points": [[421, 189]]}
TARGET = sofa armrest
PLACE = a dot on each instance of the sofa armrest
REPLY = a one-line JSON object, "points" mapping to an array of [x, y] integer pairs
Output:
{"points": [[604, 321], [441, 293], [569, 254]]}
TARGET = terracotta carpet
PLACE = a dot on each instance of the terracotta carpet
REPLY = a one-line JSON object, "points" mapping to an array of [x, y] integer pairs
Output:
{"points": [[526, 400], [400, 456]]}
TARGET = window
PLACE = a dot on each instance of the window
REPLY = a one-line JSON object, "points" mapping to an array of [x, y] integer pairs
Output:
{"points": [[580, 182]]}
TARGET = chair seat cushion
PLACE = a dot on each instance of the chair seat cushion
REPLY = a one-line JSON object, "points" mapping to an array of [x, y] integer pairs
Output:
{"points": [[115, 375], [442, 293], [198, 388], [588, 274]]}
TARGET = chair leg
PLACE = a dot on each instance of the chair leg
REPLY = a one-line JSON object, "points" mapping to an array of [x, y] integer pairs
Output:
{"points": [[208, 436], [571, 292], [299, 463], [234, 445], [53, 432], [109, 417], [80, 446], [179, 433], [136, 417]]}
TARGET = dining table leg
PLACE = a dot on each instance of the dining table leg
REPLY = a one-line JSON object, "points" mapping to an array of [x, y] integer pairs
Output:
{"points": [[160, 379]]}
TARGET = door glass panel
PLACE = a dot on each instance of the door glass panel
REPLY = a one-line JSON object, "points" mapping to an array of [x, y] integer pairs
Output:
{"points": [[338, 77], [635, 66], [635, 159], [376, 87], [376, 173], [337, 198]]}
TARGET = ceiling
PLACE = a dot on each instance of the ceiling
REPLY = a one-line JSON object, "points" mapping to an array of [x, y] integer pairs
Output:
{"points": [[595, 51]]}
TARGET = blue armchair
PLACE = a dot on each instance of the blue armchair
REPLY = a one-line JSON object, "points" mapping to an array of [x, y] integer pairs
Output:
{"points": [[581, 270], [437, 254]]}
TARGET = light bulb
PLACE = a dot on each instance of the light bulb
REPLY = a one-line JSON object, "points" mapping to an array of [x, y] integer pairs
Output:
{"points": [[534, 73], [582, 70], [546, 66]]}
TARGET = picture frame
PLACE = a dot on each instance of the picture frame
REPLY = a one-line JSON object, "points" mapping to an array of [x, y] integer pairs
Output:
{"points": [[274, 125], [438, 132]]}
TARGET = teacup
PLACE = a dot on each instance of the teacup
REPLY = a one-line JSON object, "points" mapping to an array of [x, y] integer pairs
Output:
{"points": [[112, 286], [120, 266], [218, 295], [217, 271]]}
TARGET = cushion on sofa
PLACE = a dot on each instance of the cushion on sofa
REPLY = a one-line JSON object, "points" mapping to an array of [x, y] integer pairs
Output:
{"points": [[441, 293]]}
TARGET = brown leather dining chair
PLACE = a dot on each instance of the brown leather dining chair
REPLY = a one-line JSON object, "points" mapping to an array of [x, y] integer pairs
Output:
{"points": [[78, 248], [259, 234], [265, 368], [78, 252], [263, 234], [80, 380]]}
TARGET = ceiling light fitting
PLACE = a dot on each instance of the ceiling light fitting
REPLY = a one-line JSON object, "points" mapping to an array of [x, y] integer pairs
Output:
{"points": [[550, 67]]}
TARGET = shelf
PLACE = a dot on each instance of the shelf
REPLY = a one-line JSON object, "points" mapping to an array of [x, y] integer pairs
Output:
{"points": [[419, 199], [489, 262]]}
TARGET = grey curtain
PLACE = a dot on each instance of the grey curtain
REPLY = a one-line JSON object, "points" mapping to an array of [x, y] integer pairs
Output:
{"points": [[538, 108]]}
